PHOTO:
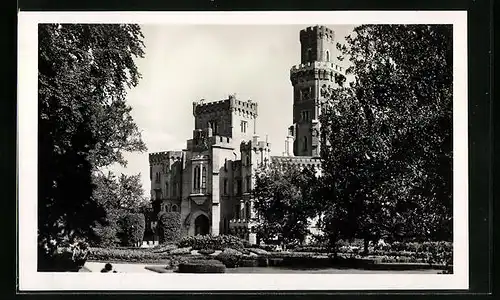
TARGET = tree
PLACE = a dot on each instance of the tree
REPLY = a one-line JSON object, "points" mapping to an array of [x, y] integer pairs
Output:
{"points": [[388, 137], [120, 193], [84, 71], [283, 202]]}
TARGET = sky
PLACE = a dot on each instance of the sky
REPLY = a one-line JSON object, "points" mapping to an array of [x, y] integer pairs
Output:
{"points": [[186, 63]]}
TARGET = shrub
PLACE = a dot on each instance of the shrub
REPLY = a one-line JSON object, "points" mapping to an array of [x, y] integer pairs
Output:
{"points": [[128, 255], [206, 251], [202, 266], [165, 248], [105, 234], [181, 251], [169, 226], [132, 226], [248, 262], [219, 242], [229, 257]]}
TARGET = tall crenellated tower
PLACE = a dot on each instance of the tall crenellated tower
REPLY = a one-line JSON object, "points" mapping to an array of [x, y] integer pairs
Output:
{"points": [[316, 71]]}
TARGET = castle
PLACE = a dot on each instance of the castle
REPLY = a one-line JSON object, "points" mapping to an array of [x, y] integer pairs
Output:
{"points": [[209, 182]]}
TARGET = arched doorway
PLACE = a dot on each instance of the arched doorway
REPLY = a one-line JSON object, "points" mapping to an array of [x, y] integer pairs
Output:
{"points": [[201, 225]]}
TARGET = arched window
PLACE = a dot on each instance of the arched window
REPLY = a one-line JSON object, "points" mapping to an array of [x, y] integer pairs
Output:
{"points": [[327, 55], [309, 54], [174, 208], [305, 143], [204, 178], [196, 179], [248, 160], [166, 208]]}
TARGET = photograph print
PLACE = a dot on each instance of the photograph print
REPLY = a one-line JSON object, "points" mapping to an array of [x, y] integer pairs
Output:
{"points": [[272, 149]]}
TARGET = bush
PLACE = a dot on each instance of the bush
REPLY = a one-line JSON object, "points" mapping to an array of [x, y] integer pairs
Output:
{"points": [[202, 266], [105, 234], [229, 257], [181, 251], [169, 226], [219, 242], [164, 248], [132, 226], [128, 255], [248, 262], [206, 251]]}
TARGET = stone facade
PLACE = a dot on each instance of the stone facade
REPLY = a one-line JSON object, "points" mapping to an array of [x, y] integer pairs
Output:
{"points": [[209, 182]]}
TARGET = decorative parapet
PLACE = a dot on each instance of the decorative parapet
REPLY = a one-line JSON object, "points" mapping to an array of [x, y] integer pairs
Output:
{"points": [[318, 31], [242, 224], [317, 65], [164, 156], [246, 107], [296, 160]]}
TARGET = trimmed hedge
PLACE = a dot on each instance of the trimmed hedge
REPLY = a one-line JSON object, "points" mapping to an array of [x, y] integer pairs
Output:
{"points": [[202, 266], [206, 251], [219, 242], [132, 226], [181, 251], [126, 255], [230, 258], [169, 227]]}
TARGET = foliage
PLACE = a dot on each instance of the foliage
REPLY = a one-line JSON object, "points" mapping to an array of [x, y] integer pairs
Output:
{"points": [[124, 192], [169, 227], [230, 258], [202, 266], [126, 255], [206, 251], [164, 248], [84, 71], [387, 148], [283, 202], [219, 242], [131, 229], [181, 251]]}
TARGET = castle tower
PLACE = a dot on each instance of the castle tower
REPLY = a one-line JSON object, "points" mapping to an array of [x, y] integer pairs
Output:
{"points": [[231, 118], [316, 71]]}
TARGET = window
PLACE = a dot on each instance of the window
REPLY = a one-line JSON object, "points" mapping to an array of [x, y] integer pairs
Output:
{"points": [[309, 54], [225, 164], [237, 211], [238, 187], [196, 178], [305, 143], [327, 55], [157, 194], [214, 126], [247, 160], [166, 189], [225, 186], [243, 126], [157, 179], [248, 183], [175, 189], [305, 115], [166, 208], [174, 208], [204, 178], [247, 210]]}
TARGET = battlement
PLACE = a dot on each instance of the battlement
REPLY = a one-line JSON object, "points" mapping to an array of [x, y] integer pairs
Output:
{"points": [[164, 156], [317, 65], [318, 31], [296, 160], [255, 144], [222, 141], [232, 104]]}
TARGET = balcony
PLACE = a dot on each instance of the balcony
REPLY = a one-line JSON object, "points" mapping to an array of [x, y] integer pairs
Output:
{"points": [[199, 195]]}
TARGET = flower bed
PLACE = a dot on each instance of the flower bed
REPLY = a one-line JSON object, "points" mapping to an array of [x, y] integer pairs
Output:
{"points": [[202, 266], [219, 242], [126, 255]]}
